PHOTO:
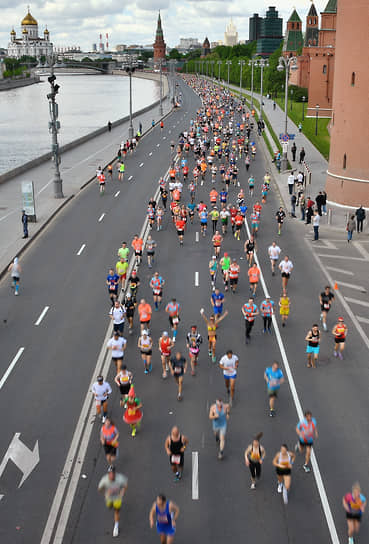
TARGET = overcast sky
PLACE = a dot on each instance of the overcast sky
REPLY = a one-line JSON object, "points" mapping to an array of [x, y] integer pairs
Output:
{"points": [[80, 23]]}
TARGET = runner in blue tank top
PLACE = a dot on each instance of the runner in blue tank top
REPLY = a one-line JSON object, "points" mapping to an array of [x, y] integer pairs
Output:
{"points": [[166, 513]]}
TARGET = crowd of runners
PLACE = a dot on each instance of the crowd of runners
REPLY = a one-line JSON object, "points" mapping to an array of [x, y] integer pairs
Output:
{"points": [[212, 157]]}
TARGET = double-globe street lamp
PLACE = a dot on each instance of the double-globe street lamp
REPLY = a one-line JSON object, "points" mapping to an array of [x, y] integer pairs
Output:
{"points": [[212, 62], [229, 64], [130, 69], [252, 63], [263, 63], [241, 64], [54, 126], [286, 64], [219, 63], [316, 119], [303, 107]]}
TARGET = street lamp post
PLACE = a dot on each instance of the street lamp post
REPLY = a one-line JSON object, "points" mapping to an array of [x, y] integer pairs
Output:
{"points": [[242, 64], [219, 65], [54, 126], [291, 99], [286, 64], [161, 87], [228, 63], [252, 63], [262, 63], [316, 119], [130, 69], [303, 107], [212, 62]]}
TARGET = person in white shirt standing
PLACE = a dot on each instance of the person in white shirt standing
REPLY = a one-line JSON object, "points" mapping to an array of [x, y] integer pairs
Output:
{"points": [[117, 315], [101, 391], [274, 252], [117, 345], [316, 222], [286, 268], [229, 364], [291, 183]]}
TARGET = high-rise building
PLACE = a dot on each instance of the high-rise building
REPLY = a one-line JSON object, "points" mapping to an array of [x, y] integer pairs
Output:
{"points": [[159, 44], [348, 170], [254, 27], [231, 34], [271, 33]]}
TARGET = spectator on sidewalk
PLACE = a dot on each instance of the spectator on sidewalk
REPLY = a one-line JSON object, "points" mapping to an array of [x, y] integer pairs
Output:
{"points": [[293, 151], [274, 105], [300, 179], [316, 222], [302, 155], [302, 205], [291, 183], [324, 206], [109, 126], [319, 202], [309, 210], [360, 216], [25, 224], [293, 205], [350, 227]]}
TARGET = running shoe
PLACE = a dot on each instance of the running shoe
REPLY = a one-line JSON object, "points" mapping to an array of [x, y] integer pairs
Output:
{"points": [[306, 468], [279, 488], [253, 486]]}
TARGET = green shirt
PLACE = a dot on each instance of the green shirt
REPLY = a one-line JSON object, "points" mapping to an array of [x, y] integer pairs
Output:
{"points": [[122, 168], [123, 252], [226, 263], [121, 268], [214, 214]]}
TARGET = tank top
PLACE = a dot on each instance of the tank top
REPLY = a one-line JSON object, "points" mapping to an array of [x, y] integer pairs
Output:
{"points": [[284, 302], [123, 378], [163, 517], [250, 246], [315, 337], [164, 346], [284, 462], [221, 421], [145, 343], [176, 446], [255, 456]]}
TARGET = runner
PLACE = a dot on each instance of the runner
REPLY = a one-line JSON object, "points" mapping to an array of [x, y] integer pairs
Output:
{"points": [[109, 439], [137, 244], [145, 346], [251, 179], [166, 514], [172, 309], [180, 226], [286, 267], [212, 326], [112, 281], [101, 179], [225, 263], [121, 268], [133, 413], [313, 339], [280, 217], [249, 311], [354, 503], [229, 364], [165, 346], [133, 284], [284, 307], [219, 414], [144, 312], [124, 380], [254, 457], [234, 271], [273, 376], [306, 430], [254, 276], [101, 391], [117, 315], [283, 461], [178, 369], [117, 344], [213, 267], [114, 485], [214, 216], [203, 214], [217, 243], [238, 222], [123, 251], [216, 301], [266, 312], [130, 306], [193, 342], [157, 283], [339, 332], [224, 214], [121, 171], [274, 252], [175, 445], [15, 271], [249, 249], [326, 299], [255, 220], [150, 250]]}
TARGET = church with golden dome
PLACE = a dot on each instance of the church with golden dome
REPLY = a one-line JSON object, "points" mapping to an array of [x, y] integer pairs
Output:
{"points": [[29, 43]]}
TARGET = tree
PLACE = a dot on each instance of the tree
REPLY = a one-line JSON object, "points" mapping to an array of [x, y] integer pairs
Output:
{"points": [[175, 54]]}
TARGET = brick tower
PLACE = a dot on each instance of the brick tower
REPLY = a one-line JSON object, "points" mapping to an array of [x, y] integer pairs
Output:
{"points": [[159, 45], [312, 27], [348, 169]]}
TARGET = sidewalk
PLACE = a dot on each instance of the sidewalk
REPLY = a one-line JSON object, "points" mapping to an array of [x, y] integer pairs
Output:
{"points": [[78, 167]]}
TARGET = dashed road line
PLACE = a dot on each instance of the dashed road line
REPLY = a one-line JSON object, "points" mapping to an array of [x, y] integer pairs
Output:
{"points": [[362, 319], [42, 315], [10, 367], [197, 236], [150, 153], [352, 286], [157, 145], [361, 250], [197, 279], [101, 217], [81, 249], [340, 271], [141, 165], [195, 476], [356, 301], [117, 194], [340, 257], [130, 177]]}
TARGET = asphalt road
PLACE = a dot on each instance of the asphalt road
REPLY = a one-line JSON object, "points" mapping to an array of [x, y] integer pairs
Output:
{"points": [[55, 369]]}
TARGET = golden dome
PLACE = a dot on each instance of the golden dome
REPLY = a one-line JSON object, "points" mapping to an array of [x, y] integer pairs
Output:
{"points": [[13, 33], [46, 31], [29, 20], [24, 31]]}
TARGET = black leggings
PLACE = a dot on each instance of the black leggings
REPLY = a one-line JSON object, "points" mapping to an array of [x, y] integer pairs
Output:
{"points": [[255, 470], [267, 322]]}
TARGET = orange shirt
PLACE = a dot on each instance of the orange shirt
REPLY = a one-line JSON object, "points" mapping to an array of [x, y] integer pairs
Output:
{"points": [[213, 195], [176, 195], [144, 311], [137, 244], [254, 274], [203, 167]]}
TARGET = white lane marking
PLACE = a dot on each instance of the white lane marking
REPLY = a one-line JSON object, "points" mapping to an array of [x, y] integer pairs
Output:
{"points": [[7, 215], [130, 177], [202, 182], [157, 145], [362, 319], [101, 217], [340, 257], [164, 137], [352, 286], [344, 301], [42, 315], [197, 279], [328, 244], [197, 236], [81, 249], [340, 271], [70, 475], [300, 413], [356, 301], [170, 132], [10, 367], [362, 250], [150, 153], [195, 475], [116, 194], [141, 165]]}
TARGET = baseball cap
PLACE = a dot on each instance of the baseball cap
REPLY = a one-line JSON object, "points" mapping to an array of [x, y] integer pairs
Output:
{"points": [[340, 319], [165, 333]]}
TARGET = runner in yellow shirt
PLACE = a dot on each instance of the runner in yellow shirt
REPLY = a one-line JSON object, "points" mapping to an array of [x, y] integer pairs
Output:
{"points": [[121, 268]]}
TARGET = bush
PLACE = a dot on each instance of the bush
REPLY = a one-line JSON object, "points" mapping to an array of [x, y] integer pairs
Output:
{"points": [[298, 93]]}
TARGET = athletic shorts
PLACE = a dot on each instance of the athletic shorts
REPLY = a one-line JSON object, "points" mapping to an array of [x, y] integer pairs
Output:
{"points": [[116, 504], [233, 377], [180, 232], [233, 281], [220, 430], [171, 319], [255, 225], [109, 449], [313, 349], [138, 253], [159, 294], [353, 516], [304, 444], [273, 393], [146, 352], [283, 471], [340, 340], [217, 310], [118, 327], [285, 275], [150, 253]]}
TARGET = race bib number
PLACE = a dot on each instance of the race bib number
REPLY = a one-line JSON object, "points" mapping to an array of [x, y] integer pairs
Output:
{"points": [[175, 320], [177, 370], [175, 459]]}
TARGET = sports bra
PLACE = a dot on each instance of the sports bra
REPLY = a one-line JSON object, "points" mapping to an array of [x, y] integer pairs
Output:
{"points": [[284, 462]]}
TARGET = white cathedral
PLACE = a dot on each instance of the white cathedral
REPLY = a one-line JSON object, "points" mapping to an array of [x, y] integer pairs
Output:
{"points": [[30, 43]]}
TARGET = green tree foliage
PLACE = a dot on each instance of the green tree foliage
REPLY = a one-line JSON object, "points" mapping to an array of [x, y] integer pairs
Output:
{"points": [[175, 54]]}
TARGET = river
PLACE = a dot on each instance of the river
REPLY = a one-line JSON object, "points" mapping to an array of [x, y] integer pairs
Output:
{"points": [[86, 102]]}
